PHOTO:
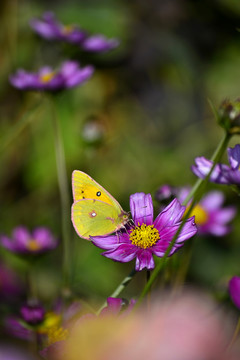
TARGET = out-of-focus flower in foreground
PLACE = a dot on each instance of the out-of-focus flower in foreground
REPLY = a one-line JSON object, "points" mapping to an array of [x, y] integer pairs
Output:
{"points": [[57, 336], [69, 75], [147, 236], [24, 242], [234, 290], [210, 215], [8, 351], [188, 327], [221, 174], [51, 29]]}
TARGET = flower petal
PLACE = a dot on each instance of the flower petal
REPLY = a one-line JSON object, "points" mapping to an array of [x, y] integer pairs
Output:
{"points": [[234, 290], [123, 253], [141, 207], [99, 42], [203, 166], [212, 201], [189, 229], [144, 260], [171, 215], [234, 157], [44, 238], [225, 215], [232, 176], [111, 241]]}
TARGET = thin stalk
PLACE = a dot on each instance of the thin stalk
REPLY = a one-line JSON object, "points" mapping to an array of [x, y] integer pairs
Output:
{"points": [[236, 333], [64, 198], [193, 194], [19, 127], [120, 288]]}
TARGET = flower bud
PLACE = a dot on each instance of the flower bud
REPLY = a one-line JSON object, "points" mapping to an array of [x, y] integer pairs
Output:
{"points": [[229, 116]]}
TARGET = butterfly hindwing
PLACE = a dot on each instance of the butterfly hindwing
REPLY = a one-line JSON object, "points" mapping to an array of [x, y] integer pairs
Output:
{"points": [[92, 217]]}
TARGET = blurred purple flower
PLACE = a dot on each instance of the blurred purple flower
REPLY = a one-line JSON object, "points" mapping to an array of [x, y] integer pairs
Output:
{"points": [[32, 314], [15, 327], [69, 75], [210, 215], [24, 242], [71, 319], [147, 237], [222, 174], [234, 290], [49, 28]]}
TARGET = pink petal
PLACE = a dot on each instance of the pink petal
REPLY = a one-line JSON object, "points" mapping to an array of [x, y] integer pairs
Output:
{"points": [[141, 208], [170, 215]]}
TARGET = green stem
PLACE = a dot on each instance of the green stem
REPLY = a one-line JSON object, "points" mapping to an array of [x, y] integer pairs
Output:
{"points": [[120, 288], [64, 198], [196, 189], [236, 332], [19, 126]]}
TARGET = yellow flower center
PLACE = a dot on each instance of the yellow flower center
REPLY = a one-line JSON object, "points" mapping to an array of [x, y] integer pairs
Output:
{"points": [[201, 215], [67, 29], [56, 334], [144, 236], [45, 78], [33, 245], [51, 321]]}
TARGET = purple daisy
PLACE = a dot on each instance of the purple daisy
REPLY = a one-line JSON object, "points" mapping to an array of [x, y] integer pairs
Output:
{"points": [[69, 75], [210, 215], [234, 290], [51, 29], [147, 237], [27, 243], [221, 174], [32, 314]]}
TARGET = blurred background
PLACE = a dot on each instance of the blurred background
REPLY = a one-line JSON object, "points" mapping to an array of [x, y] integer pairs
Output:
{"points": [[137, 124]]}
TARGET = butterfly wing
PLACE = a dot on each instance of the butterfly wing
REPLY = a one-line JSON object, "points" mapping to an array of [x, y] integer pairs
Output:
{"points": [[92, 217], [84, 187]]}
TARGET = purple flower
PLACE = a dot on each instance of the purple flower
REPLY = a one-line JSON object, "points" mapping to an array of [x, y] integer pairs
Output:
{"points": [[49, 28], [147, 237], [69, 75], [14, 326], [99, 43], [24, 242], [234, 290], [222, 174], [210, 215], [32, 314]]}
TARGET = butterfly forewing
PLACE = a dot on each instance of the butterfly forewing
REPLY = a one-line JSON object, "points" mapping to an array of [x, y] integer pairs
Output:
{"points": [[84, 187], [92, 217]]}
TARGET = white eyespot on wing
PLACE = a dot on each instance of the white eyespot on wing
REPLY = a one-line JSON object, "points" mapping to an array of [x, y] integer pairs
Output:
{"points": [[92, 214]]}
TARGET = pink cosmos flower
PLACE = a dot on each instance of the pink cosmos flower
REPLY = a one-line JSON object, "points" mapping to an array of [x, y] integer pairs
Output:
{"points": [[210, 215], [51, 29], [26, 243], [69, 74], [186, 327], [147, 237], [221, 174]]}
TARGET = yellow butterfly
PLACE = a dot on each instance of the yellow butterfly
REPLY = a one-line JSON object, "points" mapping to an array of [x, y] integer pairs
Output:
{"points": [[94, 211]]}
